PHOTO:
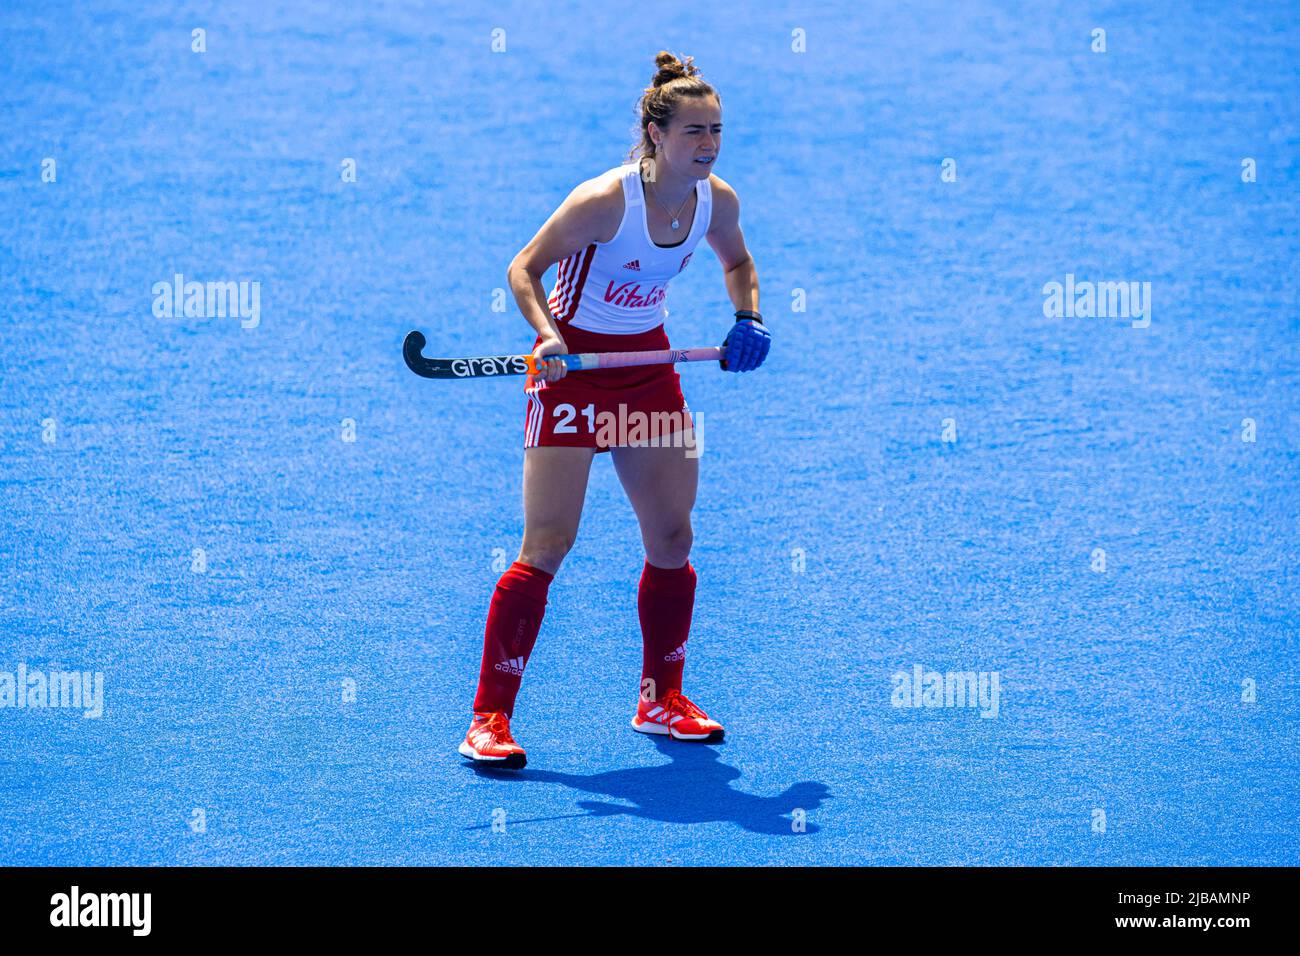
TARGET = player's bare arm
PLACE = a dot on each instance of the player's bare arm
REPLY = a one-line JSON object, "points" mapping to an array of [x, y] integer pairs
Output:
{"points": [[590, 213], [748, 341], [728, 244]]}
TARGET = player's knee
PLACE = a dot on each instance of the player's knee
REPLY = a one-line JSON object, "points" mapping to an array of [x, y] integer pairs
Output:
{"points": [[672, 548], [546, 549]]}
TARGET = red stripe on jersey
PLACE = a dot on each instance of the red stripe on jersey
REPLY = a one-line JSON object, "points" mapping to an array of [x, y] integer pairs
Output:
{"points": [[572, 308], [563, 285]]}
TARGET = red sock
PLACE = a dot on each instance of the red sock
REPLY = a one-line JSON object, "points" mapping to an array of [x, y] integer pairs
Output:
{"points": [[664, 603], [514, 618]]}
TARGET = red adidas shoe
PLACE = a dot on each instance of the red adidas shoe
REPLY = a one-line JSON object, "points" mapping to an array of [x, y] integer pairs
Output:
{"points": [[675, 714], [489, 740]]}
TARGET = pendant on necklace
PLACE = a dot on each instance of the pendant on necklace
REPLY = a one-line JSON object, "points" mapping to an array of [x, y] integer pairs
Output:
{"points": [[676, 224]]}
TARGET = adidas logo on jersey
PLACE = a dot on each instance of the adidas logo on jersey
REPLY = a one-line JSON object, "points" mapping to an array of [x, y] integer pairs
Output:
{"points": [[677, 655], [634, 265], [514, 666]]}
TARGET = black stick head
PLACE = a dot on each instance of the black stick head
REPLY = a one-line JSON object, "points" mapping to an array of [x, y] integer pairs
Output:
{"points": [[412, 348]]}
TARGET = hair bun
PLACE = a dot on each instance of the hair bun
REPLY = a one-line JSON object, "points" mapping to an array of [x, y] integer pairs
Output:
{"points": [[671, 68]]}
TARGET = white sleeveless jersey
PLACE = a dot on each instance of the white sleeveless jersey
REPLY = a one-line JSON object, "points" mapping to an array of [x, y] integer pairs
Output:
{"points": [[618, 287]]}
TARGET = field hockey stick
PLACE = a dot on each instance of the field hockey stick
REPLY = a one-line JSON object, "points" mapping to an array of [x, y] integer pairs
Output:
{"points": [[486, 366]]}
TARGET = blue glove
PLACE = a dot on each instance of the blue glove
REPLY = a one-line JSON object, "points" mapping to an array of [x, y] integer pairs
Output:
{"points": [[746, 344]]}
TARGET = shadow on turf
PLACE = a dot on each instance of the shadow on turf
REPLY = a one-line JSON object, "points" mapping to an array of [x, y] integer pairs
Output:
{"points": [[694, 788]]}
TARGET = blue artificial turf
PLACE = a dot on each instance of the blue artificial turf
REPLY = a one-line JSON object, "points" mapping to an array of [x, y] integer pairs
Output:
{"points": [[839, 538]]}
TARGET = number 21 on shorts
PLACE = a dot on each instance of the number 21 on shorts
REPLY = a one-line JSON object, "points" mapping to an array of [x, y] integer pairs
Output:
{"points": [[566, 414]]}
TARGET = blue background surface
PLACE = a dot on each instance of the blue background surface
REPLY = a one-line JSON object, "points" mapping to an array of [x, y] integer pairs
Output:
{"points": [[374, 560]]}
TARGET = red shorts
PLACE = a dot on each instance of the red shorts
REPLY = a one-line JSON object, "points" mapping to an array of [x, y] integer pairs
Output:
{"points": [[606, 407]]}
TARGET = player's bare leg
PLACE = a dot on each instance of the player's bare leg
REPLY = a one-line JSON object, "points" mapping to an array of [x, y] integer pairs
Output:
{"points": [[555, 486], [661, 483]]}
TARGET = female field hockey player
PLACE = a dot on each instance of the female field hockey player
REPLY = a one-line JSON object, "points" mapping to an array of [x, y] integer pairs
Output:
{"points": [[619, 239]]}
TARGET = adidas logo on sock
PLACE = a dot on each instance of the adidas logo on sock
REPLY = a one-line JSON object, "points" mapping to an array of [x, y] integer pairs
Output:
{"points": [[514, 666], [634, 265], [677, 655]]}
